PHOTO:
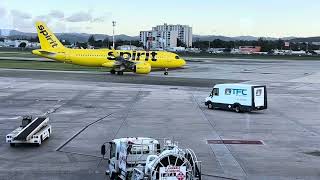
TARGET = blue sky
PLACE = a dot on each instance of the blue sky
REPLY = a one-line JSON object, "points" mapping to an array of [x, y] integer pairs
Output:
{"points": [[272, 18]]}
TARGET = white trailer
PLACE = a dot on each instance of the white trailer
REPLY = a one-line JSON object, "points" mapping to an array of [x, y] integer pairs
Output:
{"points": [[143, 158], [32, 131], [237, 97]]}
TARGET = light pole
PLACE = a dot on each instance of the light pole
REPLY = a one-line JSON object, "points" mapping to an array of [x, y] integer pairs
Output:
{"points": [[113, 25]]}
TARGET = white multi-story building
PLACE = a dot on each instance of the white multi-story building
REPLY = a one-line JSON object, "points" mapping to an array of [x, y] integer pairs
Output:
{"points": [[166, 36]]}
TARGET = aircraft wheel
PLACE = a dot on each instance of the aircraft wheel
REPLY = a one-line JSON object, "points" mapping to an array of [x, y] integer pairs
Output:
{"points": [[12, 144], [165, 73], [112, 71], [120, 72]]}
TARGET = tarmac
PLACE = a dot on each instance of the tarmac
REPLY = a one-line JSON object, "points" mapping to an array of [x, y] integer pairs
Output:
{"points": [[89, 108]]}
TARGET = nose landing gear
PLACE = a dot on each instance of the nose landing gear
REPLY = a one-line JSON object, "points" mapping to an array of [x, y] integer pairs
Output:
{"points": [[166, 71]]}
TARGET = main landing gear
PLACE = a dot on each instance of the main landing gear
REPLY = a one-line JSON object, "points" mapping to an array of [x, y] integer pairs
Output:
{"points": [[116, 72], [166, 71]]}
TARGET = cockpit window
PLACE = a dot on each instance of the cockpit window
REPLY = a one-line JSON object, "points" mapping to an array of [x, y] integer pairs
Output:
{"points": [[177, 57]]}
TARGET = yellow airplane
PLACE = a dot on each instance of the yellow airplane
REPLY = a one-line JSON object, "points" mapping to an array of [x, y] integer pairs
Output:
{"points": [[139, 62]]}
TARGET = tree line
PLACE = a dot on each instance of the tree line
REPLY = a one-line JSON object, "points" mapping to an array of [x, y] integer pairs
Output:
{"points": [[266, 45], [106, 43]]}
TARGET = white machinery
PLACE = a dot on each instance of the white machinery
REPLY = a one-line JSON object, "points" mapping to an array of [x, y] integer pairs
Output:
{"points": [[143, 158], [31, 131]]}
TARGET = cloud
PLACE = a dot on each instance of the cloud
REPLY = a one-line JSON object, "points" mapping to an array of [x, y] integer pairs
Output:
{"points": [[99, 19], [20, 14], [80, 17], [25, 25], [3, 12], [43, 18], [56, 14], [86, 17]]}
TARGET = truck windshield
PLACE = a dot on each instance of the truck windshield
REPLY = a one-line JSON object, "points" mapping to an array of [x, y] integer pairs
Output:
{"points": [[215, 92], [112, 150]]}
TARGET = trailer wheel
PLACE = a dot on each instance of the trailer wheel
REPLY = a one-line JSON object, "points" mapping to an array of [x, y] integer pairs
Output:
{"points": [[13, 144]]}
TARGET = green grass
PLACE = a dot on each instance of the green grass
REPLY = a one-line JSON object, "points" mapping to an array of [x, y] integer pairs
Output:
{"points": [[16, 53], [26, 55], [12, 64]]}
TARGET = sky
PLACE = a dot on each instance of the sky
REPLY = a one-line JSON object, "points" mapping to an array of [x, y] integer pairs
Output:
{"points": [[261, 18]]}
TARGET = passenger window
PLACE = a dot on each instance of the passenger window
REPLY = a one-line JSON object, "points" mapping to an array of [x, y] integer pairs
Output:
{"points": [[259, 92], [227, 91]]}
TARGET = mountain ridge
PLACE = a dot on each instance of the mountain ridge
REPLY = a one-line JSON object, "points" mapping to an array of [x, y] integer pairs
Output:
{"points": [[83, 37]]}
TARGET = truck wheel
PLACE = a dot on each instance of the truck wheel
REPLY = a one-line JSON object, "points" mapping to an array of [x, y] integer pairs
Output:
{"points": [[13, 144], [210, 106], [113, 176], [40, 141], [237, 109]]}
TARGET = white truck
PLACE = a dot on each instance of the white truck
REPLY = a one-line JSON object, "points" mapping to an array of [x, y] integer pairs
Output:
{"points": [[237, 97], [140, 158], [32, 131]]}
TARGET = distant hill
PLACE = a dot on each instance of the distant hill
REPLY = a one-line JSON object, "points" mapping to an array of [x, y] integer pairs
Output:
{"points": [[83, 37], [72, 37], [307, 39], [237, 38]]}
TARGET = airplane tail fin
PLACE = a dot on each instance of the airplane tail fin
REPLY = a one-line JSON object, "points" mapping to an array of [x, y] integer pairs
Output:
{"points": [[48, 40]]}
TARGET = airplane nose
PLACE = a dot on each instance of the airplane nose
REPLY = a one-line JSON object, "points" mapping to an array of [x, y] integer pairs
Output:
{"points": [[183, 62]]}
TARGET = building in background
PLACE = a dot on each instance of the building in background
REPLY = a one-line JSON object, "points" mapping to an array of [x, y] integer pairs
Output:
{"points": [[19, 43], [249, 49], [167, 36]]}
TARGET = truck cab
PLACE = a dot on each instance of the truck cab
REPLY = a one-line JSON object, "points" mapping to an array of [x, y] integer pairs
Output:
{"points": [[25, 121], [126, 153]]}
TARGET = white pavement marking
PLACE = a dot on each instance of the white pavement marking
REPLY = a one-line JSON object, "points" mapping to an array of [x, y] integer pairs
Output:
{"points": [[39, 70], [25, 59], [229, 164]]}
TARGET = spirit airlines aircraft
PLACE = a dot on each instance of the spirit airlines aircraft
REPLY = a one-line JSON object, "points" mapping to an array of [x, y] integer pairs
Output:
{"points": [[139, 62]]}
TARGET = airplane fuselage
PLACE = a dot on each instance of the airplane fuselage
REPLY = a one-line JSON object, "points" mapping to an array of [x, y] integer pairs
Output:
{"points": [[106, 58]]}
